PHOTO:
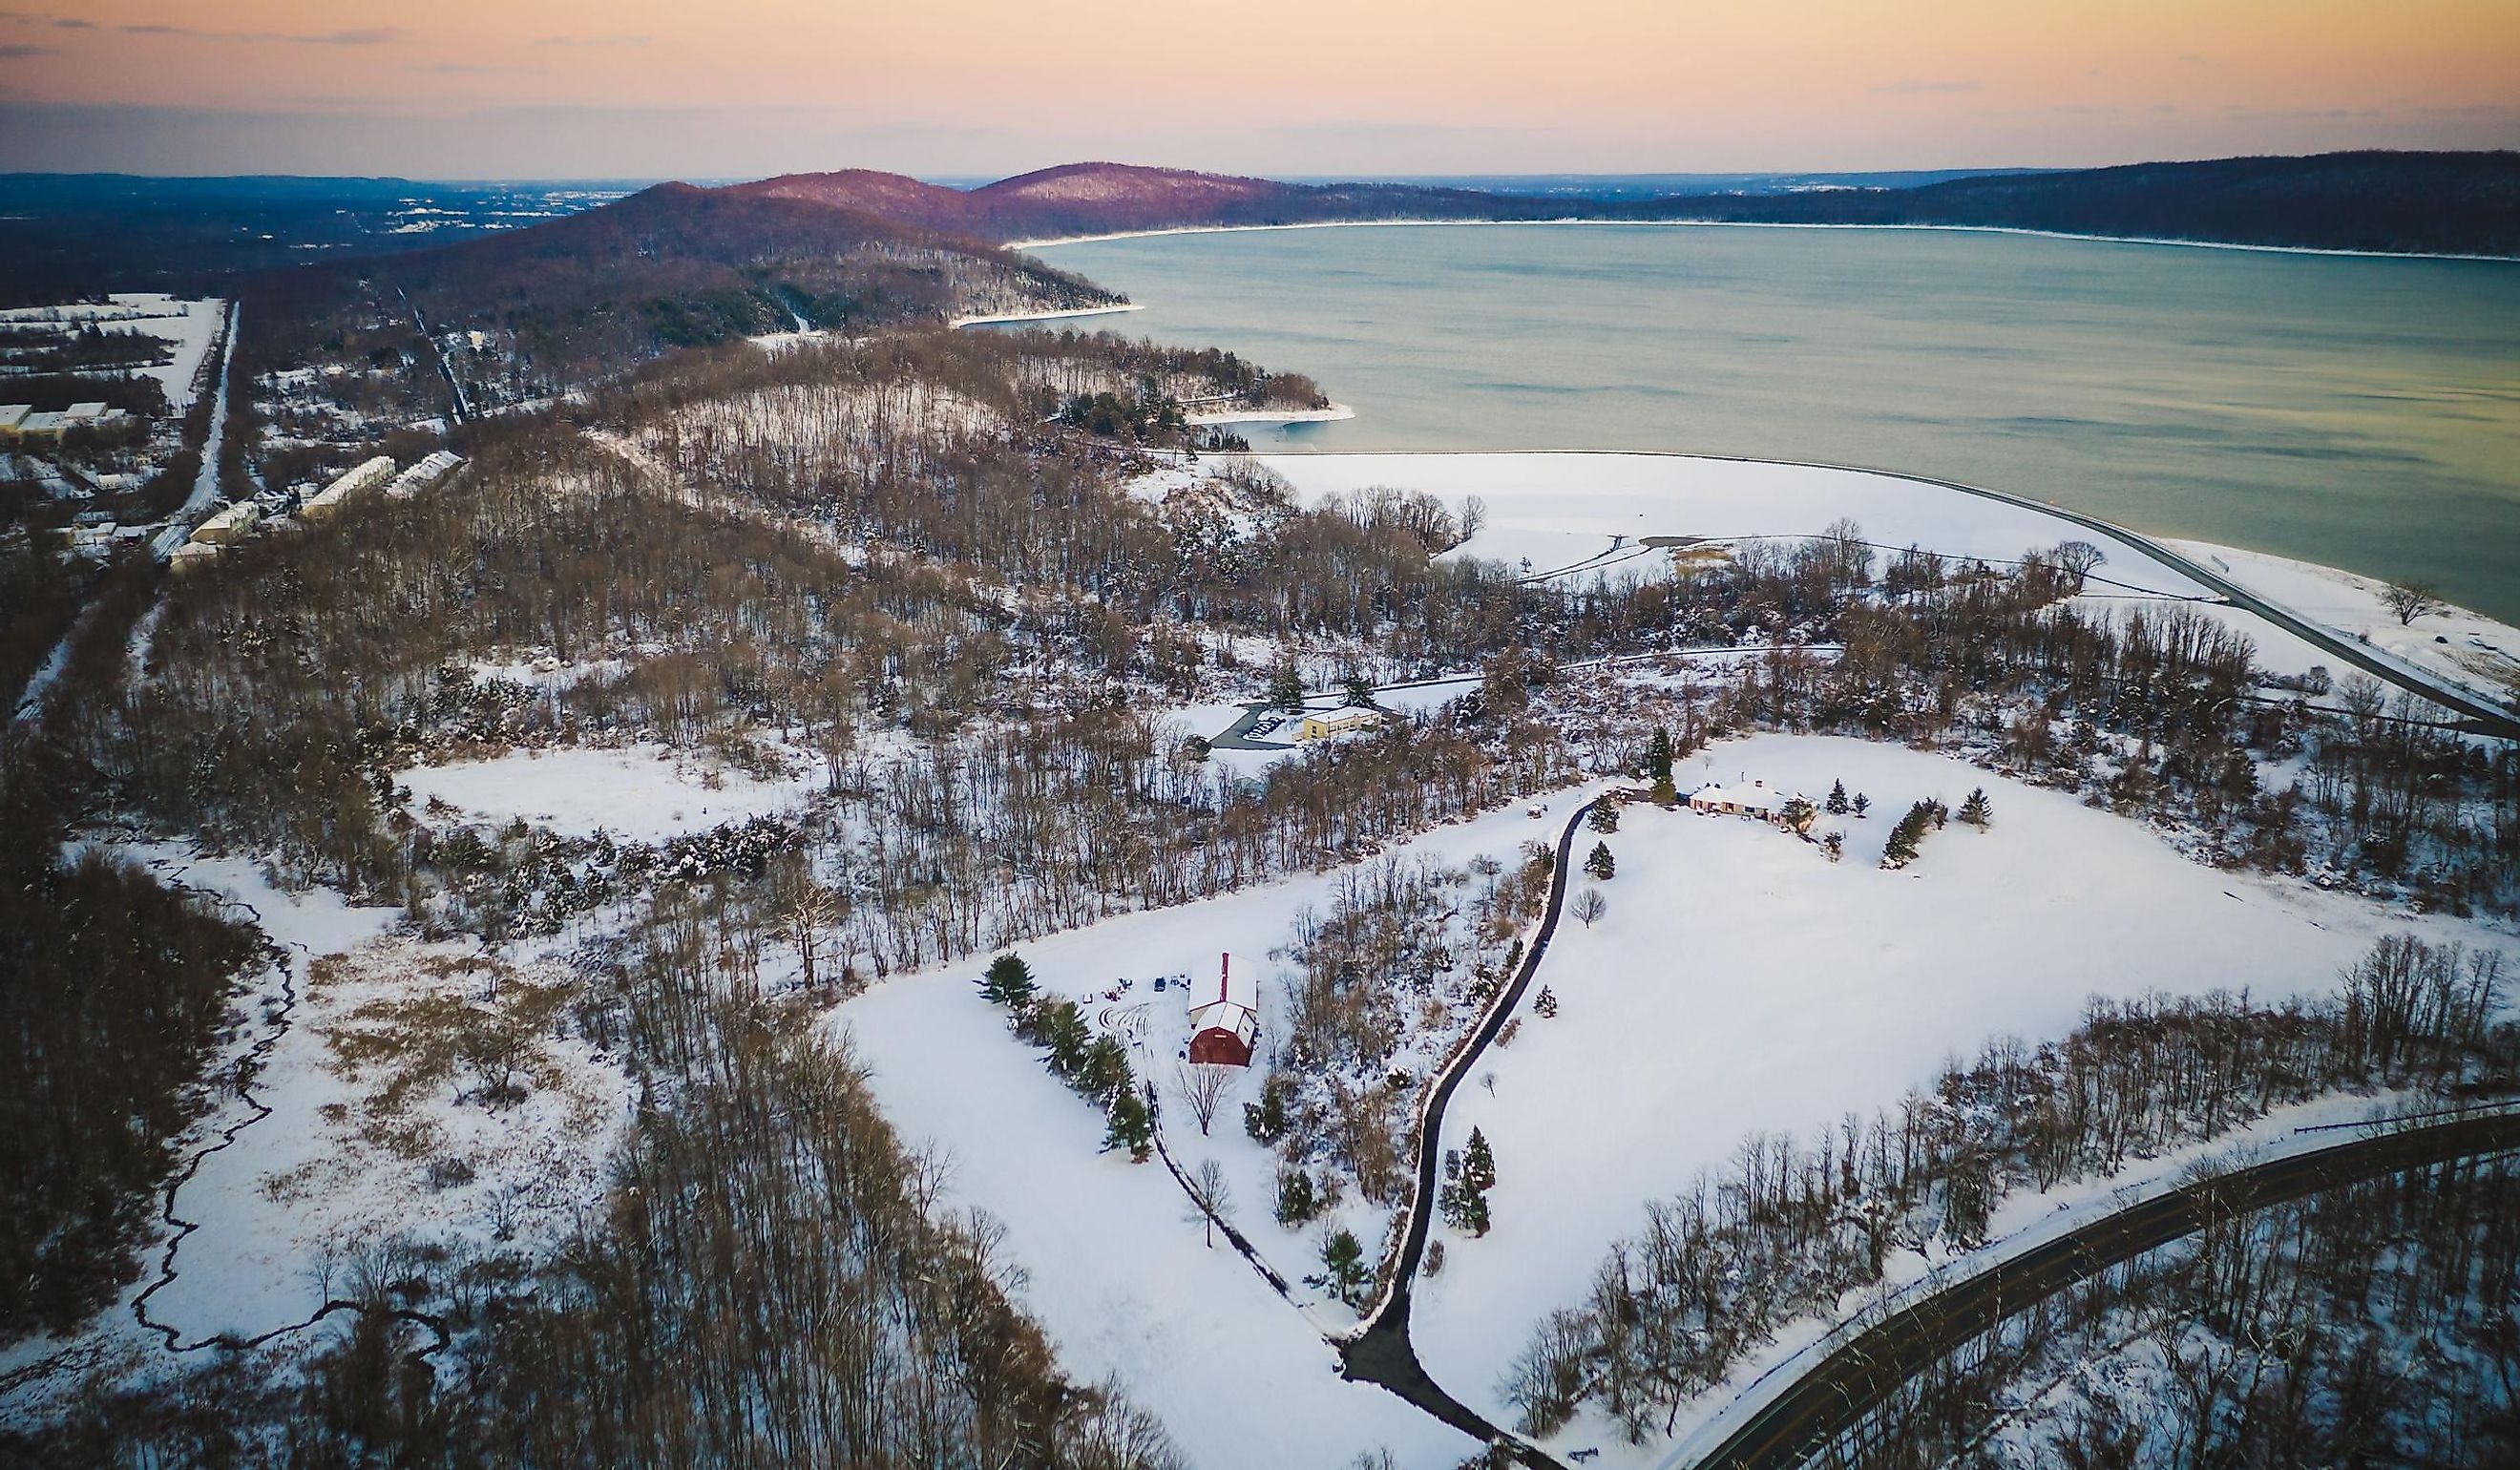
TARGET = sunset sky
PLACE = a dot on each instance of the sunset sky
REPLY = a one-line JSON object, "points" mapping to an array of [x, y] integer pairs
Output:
{"points": [[640, 88]]}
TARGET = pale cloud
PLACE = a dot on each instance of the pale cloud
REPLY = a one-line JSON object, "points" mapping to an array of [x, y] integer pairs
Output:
{"points": [[1910, 87], [366, 35]]}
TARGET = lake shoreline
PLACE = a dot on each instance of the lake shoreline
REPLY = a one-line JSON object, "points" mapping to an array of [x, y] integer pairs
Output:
{"points": [[1746, 224]]}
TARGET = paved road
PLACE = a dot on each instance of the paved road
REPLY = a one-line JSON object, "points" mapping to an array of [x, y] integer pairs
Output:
{"points": [[1381, 1353], [1835, 1394], [2487, 717]]}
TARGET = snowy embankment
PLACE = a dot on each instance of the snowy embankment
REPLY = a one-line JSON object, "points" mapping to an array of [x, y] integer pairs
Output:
{"points": [[1585, 514], [1120, 1271], [1055, 315], [2466, 649], [1331, 414], [1741, 983], [640, 793]]}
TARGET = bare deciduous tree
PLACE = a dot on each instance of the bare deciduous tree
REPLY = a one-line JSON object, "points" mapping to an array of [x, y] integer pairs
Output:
{"points": [[1203, 1086], [1211, 1197], [2411, 601], [2078, 559], [1589, 906]]}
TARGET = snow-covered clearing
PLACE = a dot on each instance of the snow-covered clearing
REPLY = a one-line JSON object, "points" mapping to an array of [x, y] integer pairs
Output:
{"points": [[643, 793], [1743, 983], [373, 1130], [188, 328], [2466, 649], [1119, 1275]]}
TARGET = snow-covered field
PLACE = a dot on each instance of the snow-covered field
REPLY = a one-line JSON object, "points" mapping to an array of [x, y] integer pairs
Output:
{"points": [[1740, 983], [187, 327], [1119, 1272], [645, 794]]}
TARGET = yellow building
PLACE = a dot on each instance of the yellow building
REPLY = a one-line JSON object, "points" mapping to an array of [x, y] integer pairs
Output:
{"points": [[1321, 724]]}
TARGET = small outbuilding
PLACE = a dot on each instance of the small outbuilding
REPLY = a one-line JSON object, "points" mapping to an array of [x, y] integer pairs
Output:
{"points": [[1223, 1028]]}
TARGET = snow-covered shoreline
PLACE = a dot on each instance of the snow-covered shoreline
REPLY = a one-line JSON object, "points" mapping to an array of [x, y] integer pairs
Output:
{"points": [[959, 323], [1748, 224], [1331, 414], [1553, 508]]}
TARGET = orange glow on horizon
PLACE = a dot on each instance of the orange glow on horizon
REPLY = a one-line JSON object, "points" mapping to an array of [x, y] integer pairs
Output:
{"points": [[1385, 85]]}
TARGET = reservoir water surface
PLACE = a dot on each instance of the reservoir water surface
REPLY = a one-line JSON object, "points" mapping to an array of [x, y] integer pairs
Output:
{"points": [[2356, 412]]}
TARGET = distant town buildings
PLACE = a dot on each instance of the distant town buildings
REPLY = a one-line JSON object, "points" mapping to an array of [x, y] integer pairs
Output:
{"points": [[23, 421], [364, 477]]}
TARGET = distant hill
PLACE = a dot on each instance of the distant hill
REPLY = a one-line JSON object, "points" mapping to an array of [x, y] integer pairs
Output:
{"points": [[578, 297], [2445, 203], [2432, 204], [1101, 199]]}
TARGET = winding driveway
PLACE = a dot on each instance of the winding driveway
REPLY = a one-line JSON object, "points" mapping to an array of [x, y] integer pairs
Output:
{"points": [[1380, 1353]]}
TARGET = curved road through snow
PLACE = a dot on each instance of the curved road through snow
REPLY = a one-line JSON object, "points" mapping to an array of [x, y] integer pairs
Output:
{"points": [[1835, 1394], [1380, 1353]]}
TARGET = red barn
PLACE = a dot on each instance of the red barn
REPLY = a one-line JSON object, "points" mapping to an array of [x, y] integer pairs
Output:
{"points": [[1223, 1029]]}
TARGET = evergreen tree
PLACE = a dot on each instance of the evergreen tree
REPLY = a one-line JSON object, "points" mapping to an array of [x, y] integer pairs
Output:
{"points": [[1863, 803], [1104, 1071], [1834, 844], [1360, 691], [1285, 686], [1478, 1164], [1658, 756], [1131, 1128], [1008, 981], [1266, 1120], [1604, 817], [1977, 812], [1600, 864], [1837, 799], [1296, 1201], [1342, 1266], [1546, 1005], [1902, 848], [1065, 1034], [1466, 1208]]}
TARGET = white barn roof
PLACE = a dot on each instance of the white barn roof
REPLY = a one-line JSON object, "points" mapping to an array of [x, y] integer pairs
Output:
{"points": [[1232, 1003]]}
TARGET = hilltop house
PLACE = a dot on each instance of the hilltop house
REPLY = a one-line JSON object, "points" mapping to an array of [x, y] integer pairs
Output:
{"points": [[1223, 1029], [1794, 813]]}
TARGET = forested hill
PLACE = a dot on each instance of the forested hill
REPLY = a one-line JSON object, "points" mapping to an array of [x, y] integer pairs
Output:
{"points": [[575, 298], [1101, 199], [2428, 204], [2438, 203]]}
